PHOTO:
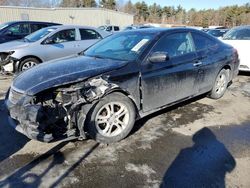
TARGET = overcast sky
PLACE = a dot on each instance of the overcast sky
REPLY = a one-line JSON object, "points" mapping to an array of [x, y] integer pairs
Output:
{"points": [[197, 4]]}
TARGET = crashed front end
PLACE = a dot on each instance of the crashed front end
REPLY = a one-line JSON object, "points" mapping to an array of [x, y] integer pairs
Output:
{"points": [[7, 62], [56, 113]]}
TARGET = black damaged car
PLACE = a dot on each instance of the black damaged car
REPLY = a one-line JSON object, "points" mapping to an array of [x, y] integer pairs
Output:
{"points": [[101, 92]]}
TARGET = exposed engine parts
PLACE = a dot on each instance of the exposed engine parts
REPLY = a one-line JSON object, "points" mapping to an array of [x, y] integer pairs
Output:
{"points": [[60, 112]]}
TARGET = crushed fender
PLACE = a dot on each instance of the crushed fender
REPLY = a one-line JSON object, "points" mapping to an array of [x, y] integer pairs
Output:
{"points": [[60, 112]]}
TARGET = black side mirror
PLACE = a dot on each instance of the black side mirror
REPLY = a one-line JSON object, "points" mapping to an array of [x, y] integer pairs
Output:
{"points": [[9, 33], [158, 57]]}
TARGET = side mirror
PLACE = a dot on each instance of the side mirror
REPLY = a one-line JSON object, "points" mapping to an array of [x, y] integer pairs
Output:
{"points": [[158, 57], [9, 33]]}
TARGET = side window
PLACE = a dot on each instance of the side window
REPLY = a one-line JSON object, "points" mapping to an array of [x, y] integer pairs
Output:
{"points": [[35, 27], [109, 28], [116, 28], [175, 44], [19, 29], [201, 42], [88, 34], [64, 36]]}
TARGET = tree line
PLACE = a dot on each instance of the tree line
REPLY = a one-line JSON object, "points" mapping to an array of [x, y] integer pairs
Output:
{"points": [[143, 13], [225, 16]]}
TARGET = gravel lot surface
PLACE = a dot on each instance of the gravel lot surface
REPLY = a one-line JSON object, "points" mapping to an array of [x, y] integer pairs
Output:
{"points": [[199, 143]]}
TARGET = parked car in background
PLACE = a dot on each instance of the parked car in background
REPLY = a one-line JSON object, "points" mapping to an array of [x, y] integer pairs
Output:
{"points": [[217, 32], [239, 38], [19, 29], [47, 44], [121, 78], [110, 28], [132, 27], [205, 30]]}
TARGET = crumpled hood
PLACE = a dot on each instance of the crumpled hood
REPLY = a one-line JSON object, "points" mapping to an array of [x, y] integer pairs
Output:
{"points": [[13, 45], [61, 72]]}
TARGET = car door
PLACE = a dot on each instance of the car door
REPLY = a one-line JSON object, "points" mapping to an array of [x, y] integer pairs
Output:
{"points": [[169, 81], [17, 31], [209, 57], [61, 44], [88, 37]]}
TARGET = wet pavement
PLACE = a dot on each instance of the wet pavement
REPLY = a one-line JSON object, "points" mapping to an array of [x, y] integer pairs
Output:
{"points": [[199, 143]]}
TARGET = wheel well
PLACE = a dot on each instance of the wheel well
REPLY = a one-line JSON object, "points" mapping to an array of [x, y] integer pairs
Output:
{"points": [[127, 95], [31, 56], [26, 57], [228, 69]]}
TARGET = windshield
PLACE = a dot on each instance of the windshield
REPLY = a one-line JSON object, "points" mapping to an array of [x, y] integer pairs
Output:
{"points": [[39, 34], [216, 33], [238, 34], [102, 27], [123, 46], [3, 25]]}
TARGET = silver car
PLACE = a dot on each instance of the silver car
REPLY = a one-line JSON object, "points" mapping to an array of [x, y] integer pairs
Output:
{"points": [[47, 44]]}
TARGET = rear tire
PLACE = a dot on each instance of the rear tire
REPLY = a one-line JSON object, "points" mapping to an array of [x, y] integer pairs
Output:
{"points": [[220, 85], [111, 119], [28, 63]]}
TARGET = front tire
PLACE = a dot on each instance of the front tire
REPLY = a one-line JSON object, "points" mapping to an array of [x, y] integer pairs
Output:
{"points": [[111, 119], [220, 85], [27, 64]]}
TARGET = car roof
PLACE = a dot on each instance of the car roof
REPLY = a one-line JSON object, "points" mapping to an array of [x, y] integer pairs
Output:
{"points": [[14, 22], [242, 27], [70, 26], [162, 30]]}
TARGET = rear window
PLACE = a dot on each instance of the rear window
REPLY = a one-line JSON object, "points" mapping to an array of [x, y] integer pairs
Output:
{"points": [[116, 28], [89, 34], [202, 42]]}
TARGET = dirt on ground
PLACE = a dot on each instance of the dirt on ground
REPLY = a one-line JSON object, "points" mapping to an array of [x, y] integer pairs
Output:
{"points": [[198, 143]]}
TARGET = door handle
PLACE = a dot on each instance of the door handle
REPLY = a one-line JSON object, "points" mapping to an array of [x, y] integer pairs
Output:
{"points": [[199, 63]]}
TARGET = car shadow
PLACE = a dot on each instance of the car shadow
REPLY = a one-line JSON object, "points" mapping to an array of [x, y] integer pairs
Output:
{"points": [[24, 177], [11, 141], [205, 164], [244, 73]]}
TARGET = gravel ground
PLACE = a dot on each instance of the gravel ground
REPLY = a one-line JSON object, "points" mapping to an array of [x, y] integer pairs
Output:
{"points": [[199, 143]]}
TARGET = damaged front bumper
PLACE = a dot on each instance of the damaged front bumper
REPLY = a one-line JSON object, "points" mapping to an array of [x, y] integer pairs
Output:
{"points": [[8, 65], [7, 62], [24, 120], [55, 114]]}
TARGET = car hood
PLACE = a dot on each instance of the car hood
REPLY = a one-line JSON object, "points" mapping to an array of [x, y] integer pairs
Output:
{"points": [[13, 45], [60, 72]]}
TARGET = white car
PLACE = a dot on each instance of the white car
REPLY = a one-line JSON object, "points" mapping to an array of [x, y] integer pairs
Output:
{"points": [[110, 28], [239, 38]]}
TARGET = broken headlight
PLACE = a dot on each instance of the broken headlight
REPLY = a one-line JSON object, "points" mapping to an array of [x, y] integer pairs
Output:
{"points": [[6, 55], [14, 96]]}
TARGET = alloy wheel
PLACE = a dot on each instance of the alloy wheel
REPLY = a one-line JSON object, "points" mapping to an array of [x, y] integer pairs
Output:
{"points": [[112, 119]]}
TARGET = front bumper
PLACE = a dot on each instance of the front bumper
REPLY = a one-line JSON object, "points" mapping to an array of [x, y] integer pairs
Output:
{"points": [[24, 120], [9, 65]]}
